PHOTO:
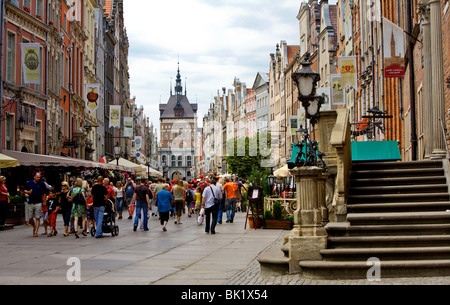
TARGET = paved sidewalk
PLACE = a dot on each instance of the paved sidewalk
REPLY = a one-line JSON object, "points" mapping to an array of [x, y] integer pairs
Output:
{"points": [[184, 255]]}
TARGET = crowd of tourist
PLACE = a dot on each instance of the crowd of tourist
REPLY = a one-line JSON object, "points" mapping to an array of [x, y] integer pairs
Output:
{"points": [[82, 203]]}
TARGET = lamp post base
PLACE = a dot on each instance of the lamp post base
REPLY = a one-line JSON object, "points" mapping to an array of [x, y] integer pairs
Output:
{"points": [[308, 236]]}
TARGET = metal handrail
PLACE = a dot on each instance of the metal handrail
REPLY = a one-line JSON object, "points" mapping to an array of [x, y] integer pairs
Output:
{"points": [[445, 137]]}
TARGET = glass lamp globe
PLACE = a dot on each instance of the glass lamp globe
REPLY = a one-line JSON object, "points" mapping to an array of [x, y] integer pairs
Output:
{"points": [[313, 107], [117, 151]]}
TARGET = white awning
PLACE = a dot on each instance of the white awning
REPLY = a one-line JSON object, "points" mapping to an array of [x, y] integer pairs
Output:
{"points": [[29, 159]]}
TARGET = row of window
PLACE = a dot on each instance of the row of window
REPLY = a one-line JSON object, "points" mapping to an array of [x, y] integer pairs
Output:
{"points": [[177, 161]]}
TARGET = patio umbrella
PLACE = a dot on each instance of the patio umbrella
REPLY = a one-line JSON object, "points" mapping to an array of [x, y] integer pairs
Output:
{"points": [[281, 172], [6, 161]]}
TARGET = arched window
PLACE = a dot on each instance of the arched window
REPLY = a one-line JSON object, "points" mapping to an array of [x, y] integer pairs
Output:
{"points": [[174, 161]]}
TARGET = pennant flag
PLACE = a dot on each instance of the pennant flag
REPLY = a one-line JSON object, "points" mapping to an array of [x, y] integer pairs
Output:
{"points": [[92, 94], [394, 50], [128, 128], [347, 65], [337, 92], [31, 63], [102, 160], [114, 116]]}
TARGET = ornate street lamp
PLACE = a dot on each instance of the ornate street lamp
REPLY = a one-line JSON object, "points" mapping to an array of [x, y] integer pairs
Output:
{"points": [[117, 152], [21, 123], [306, 80]]}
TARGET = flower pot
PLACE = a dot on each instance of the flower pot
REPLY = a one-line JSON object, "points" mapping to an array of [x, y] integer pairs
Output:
{"points": [[251, 222], [284, 224]]}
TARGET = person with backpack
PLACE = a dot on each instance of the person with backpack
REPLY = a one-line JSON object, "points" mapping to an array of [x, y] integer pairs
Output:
{"points": [[190, 199], [79, 206]]}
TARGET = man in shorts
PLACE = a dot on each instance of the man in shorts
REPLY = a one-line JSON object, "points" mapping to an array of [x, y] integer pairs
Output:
{"points": [[36, 189]]}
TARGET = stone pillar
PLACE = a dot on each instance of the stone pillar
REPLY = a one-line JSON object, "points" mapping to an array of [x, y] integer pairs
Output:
{"points": [[424, 11], [437, 63], [308, 236]]}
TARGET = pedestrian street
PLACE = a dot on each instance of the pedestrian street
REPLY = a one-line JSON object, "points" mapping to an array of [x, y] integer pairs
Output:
{"points": [[185, 254]]}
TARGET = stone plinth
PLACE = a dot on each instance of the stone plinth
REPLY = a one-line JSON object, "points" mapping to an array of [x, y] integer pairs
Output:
{"points": [[308, 236]]}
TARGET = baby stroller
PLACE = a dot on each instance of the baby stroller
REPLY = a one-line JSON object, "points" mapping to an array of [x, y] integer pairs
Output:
{"points": [[109, 220]]}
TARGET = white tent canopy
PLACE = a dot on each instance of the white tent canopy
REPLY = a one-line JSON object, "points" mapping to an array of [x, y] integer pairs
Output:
{"points": [[145, 171], [126, 163]]}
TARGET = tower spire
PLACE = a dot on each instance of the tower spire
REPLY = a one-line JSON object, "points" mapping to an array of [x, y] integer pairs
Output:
{"points": [[178, 86]]}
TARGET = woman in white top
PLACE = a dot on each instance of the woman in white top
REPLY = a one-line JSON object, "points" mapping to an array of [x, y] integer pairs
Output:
{"points": [[119, 190]]}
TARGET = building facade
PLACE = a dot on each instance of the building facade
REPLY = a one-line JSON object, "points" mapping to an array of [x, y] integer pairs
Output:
{"points": [[178, 123]]}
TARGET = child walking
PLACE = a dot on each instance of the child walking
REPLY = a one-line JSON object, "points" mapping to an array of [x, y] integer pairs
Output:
{"points": [[53, 208]]}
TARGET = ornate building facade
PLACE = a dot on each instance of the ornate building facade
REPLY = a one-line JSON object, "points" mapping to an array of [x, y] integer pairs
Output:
{"points": [[178, 123]]}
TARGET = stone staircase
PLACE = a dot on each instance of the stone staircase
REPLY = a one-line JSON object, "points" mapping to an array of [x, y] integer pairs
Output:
{"points": [[397, 213]]}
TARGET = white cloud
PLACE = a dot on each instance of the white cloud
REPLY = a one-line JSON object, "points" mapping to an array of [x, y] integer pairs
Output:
{"points": [[216, 42]]}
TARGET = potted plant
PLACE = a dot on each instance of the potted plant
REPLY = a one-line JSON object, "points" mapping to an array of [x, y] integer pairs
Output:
{"points": [[27, 9], [39, 17], [275, 220], [253, 221]]}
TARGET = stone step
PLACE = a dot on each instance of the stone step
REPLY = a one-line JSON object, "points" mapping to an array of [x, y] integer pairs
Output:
{"points": [[360, 270], [416, 197], [386, 254], [397, 173], [399, 189], [274, 262], [398, 181], [396, 165], [398, 218], [435, 206], [337, 229], [388, 241]]}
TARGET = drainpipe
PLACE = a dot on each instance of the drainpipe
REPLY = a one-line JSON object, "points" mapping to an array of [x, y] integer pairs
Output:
{"points": [[412, 90]]}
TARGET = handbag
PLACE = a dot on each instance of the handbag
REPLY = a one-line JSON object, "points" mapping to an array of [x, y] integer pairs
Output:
{"points": [[216, 200], [69, 197]]}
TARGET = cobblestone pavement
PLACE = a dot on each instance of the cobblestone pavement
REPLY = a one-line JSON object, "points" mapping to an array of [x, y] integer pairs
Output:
{"points": [[251, 276]]}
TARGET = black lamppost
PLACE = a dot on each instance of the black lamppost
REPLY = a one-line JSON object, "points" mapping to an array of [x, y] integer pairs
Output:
{"points": [[306, 80], [117, 152], [148, 166], [163, 164]]}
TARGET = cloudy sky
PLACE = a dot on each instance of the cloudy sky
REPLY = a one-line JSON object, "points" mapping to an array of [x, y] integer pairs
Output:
{"points": [[215, 40]]}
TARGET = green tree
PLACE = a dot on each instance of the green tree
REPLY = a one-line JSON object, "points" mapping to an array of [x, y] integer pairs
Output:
{"points": [[246, 158]]}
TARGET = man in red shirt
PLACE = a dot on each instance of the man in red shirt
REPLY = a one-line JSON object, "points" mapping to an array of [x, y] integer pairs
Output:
{"points": [[111, 193]]}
